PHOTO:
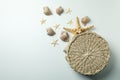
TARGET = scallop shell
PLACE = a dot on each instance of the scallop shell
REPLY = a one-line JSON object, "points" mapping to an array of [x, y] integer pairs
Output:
{"points": [[88, 53]]}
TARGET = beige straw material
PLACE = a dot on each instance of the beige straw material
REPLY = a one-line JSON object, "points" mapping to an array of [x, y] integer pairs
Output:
{"points": [[88, 53]]}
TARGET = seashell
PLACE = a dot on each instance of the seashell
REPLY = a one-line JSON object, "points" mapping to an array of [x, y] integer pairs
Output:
{"points": [[88, 53], [85, 20], [50, 31], [47, 11], [64, 36], [59, 10]]}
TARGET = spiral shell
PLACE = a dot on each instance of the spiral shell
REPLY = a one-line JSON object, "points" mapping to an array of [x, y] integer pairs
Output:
{"points": [[88, 53]]}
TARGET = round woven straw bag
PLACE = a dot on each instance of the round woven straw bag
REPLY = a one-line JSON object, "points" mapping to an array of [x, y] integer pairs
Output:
{"points": [[88, 53]]}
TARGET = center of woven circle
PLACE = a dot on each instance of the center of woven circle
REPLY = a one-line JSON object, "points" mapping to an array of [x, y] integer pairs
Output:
{"points": [[86, 54]]}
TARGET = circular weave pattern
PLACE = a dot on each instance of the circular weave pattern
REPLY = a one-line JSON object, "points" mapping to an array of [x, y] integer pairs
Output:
{"points": [[88, 53]]}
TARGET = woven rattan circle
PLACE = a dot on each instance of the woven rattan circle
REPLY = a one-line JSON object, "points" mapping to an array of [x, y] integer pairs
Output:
{"points": [[88, 53]]}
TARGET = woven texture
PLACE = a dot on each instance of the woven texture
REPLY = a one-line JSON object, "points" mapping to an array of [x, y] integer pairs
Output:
{"points": [[88, 53]]}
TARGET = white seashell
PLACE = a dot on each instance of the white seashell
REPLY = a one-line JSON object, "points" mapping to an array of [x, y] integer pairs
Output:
{"points": [[64, 36], [50, 31], [59, 10], [47, 11], [88, 53]]}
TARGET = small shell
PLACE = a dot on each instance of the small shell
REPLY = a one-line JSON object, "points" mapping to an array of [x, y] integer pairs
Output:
{"points": [[59, 10], [50, 31], [47, 11], [85, 20], [64, 36]]}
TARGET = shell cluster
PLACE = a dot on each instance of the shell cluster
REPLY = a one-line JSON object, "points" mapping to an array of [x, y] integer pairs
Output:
{"points": [[88, 53], [48, 12]]}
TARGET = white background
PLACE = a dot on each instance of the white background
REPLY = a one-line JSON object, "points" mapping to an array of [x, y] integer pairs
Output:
{"points": [[25, 50]]}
